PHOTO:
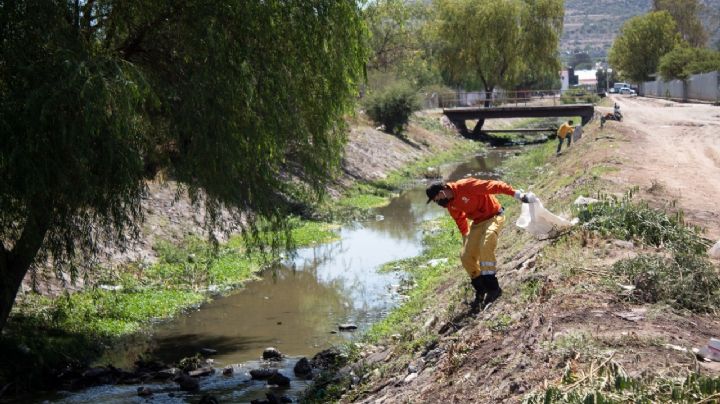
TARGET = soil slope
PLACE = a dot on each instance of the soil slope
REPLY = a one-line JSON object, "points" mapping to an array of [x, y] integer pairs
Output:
{"points": [[569, 327]]}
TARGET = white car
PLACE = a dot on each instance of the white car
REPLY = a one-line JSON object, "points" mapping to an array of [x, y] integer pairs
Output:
{"points": [[627, 90]]}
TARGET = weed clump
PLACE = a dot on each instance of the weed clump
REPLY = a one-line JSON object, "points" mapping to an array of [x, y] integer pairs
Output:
{"points": [[610, 383], [622, 218], [682, 276], [685, 281]]}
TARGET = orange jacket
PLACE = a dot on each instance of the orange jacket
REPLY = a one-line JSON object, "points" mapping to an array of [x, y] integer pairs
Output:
{"points": [[473, 199], [563, 130]]}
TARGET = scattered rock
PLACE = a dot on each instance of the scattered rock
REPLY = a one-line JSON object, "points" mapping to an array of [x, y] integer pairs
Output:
{"points": [[326, 359], [409, 378], [347, 327], [302, 367], [272, 398], [228, 371], [208, 399], [279, 379], [632, 315], [430, 323], [187, 383], [262, 374], [272, 354], [166, 374], [144, 391], [623, 244]]}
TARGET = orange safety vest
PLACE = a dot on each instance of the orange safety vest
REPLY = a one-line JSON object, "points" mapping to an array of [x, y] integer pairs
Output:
{"points": [[473, 199]]}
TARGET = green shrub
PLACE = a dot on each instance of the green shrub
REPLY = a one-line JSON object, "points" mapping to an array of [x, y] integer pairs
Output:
{"points": [[684, 281], [622, 218], [392, 107]]}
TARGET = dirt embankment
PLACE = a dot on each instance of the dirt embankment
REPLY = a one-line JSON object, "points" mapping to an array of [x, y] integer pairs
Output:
{"points": [[556, 325]]}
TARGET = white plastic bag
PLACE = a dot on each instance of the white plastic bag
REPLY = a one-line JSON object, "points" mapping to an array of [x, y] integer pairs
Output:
{"points": [[538, 221], [715, 250]]}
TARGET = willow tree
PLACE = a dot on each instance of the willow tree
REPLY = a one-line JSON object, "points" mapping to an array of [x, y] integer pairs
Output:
{"points": [[686, 14], [493, 43], [642, 41], [238, 100]]}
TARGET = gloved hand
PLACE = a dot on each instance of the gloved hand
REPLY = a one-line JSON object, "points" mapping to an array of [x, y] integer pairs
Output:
{"points": [[524, 197], [528, 198]]}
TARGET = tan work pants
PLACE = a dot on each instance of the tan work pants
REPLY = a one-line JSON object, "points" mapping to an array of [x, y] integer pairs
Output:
{"points": [[478, 252]]}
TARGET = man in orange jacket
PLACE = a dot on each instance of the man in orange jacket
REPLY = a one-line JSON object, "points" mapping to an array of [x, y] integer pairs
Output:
{"points": [[473, 199]]}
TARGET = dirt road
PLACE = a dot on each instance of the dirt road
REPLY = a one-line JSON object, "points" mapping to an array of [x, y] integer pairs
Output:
{"points": [[675, 149]]}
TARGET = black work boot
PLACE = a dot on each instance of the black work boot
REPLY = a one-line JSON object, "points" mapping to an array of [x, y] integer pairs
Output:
{"points": [[479, 293], [492, 289]]}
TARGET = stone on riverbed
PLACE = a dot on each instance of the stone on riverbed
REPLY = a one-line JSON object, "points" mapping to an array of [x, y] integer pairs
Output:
{"points": [[187, 383], [279, 379], [347, 327], [272, 354], [144, 391], [262, 374], [302, 367]]}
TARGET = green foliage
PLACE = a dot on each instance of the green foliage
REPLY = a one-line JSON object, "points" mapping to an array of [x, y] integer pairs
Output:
{"points": [[392, 107], [579, 95], [685, 281], [683, 277], [622, 218], [234, 99], [492, 43], [684, 61], [686, 14], [642, 41]]}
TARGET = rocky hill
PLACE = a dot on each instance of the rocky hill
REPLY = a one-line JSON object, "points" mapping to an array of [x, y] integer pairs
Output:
{"points": [[591, 26]]}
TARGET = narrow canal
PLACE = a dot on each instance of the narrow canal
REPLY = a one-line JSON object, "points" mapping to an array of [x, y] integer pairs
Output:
{"points": [[297, 306]]}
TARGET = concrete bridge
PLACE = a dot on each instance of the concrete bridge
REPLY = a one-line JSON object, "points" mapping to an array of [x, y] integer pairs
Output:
{"points": [[458, 116]]}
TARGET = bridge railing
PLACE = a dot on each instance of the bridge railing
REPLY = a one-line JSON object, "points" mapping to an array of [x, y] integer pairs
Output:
{"points": [[503, 98]]}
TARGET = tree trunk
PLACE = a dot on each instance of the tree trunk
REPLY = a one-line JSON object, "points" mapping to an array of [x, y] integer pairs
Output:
{"points": [[15, 263], [488, 97]]}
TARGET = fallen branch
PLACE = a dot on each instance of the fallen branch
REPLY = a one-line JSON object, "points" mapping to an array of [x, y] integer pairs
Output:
{"points": [[590, 374]]}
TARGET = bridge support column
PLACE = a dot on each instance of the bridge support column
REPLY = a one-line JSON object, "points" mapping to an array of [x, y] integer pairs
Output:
{"points": [[477, 130]]}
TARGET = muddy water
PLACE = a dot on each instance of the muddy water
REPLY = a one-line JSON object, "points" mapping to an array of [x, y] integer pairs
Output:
{"points": [[297, 306]]}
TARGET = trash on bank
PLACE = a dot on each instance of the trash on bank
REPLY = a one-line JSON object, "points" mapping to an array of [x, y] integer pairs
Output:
{"points": [[711, 351], [715, 250], [540, 222], [584, 201]]}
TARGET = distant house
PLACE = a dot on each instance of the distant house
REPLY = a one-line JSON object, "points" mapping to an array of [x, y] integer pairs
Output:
{"points": [[587, 78]]}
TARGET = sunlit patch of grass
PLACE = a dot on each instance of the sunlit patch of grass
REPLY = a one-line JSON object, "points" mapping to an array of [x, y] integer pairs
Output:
{"points": [[364, 201]]}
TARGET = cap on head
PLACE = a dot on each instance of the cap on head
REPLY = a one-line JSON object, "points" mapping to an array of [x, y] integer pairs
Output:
{"points": [[433, 189]]}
